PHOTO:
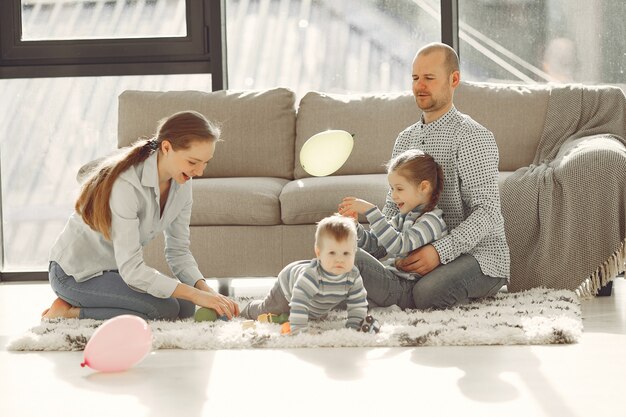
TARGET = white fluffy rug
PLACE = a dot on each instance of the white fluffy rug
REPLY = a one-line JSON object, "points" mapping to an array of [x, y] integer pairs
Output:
{"points": [[537, 316]]}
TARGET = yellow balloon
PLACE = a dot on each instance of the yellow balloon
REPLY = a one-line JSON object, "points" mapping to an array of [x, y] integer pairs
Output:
{"points": [[324, 153]]}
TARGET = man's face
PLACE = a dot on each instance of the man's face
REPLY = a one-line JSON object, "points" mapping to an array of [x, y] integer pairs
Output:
{"points": [[433, 85]]}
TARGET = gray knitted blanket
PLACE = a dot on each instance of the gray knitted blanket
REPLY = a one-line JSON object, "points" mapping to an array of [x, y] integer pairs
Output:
{"points": [[565, 214]]}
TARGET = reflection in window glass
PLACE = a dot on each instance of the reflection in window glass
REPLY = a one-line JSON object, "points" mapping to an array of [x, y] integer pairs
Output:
{"points": [[543, 41], [49, 128], [326, 45], [102, 19]]}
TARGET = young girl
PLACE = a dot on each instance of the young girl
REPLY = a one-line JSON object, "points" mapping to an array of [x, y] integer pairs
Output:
{"points": [[96, 264], [416, 181]]}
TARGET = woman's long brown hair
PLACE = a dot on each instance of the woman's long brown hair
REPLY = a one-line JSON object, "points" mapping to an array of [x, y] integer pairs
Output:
{"points": [[180, 129]]}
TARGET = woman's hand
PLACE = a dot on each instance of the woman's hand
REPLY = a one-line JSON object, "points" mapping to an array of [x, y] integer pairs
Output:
{"points": [[221, 304], [351, 206], [202, 295], [228, 306]]}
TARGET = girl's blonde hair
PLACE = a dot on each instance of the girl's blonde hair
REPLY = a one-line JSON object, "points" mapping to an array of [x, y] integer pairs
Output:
{"points": [[417, 166], [180, 129]]}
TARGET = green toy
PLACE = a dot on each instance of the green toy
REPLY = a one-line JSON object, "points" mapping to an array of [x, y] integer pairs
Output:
{"points": [[205, 314], [273, 318], [282, 318]]}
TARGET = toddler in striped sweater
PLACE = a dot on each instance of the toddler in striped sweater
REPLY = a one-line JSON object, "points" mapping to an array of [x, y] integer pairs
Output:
{"points": [[309, 289]]}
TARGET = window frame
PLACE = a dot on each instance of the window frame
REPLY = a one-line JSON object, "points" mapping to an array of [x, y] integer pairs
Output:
{"points": [[450, 24], [201, 51]]}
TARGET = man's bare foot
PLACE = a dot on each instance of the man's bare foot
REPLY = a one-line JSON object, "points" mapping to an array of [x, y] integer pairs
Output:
{"points": [[60, 308]]}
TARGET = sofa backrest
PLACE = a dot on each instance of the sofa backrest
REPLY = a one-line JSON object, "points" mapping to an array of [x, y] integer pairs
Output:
{"points": [[514, 113], [258, 127], [375, 120]]}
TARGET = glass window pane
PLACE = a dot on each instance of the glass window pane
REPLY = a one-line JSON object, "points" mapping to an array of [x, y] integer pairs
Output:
{"points": [[327, 45], [102, 19], [49, 128], [543, 41]]}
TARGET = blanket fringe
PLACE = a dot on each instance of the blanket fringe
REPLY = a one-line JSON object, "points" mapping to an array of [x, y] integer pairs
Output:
{"points": [[605, 273]]}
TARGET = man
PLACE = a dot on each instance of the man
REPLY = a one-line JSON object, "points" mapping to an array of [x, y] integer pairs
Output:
{"points": [[472, 261]]}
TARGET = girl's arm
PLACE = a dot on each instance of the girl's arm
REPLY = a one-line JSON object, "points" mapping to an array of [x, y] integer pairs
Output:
{"points": [[352, 207], [426, 229]]}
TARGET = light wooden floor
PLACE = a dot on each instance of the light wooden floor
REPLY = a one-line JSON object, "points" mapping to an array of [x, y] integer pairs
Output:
{"points": [[586, 379]]}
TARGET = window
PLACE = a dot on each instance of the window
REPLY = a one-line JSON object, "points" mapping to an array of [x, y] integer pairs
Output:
{"points": [[327, 45], [67, 38], [62, 65], [89, 19], [50, 128], [532, 41]]}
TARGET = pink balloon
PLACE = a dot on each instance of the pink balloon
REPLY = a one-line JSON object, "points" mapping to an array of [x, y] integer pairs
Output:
{"points": [[118, 344]]}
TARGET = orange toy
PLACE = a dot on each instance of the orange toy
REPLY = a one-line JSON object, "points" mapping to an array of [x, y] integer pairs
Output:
{"points": [[285, 328]]}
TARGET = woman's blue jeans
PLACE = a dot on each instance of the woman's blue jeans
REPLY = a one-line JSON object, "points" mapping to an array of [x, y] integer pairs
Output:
{"points": [[457, 282], [107, 296]]}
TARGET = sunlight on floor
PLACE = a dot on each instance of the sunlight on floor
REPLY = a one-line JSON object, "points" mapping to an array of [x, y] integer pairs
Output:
{"points": [[568, 380]]}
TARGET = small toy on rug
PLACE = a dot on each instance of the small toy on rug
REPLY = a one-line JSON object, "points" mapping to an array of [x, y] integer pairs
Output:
{"points": [[285, 328], [248, 324], [369, 325], [273, 318], [208, 314]]}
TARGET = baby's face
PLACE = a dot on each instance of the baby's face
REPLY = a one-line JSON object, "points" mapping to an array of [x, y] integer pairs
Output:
{"points": [[336, 257]]}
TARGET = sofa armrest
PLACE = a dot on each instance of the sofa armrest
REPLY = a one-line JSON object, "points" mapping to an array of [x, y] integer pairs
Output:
{"points": [[570, 149]]}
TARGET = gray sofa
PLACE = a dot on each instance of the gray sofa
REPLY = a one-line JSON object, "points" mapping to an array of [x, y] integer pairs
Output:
{"points": [[255, 208]]}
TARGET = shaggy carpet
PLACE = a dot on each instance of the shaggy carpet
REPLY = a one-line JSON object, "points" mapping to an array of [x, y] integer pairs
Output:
{"points": [[536, 316]]}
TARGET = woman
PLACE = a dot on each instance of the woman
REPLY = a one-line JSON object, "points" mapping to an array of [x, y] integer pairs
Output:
{"points": [[96, 264]]}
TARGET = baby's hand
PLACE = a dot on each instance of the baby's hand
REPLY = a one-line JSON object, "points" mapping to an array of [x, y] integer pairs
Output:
{"points": [[354, 205]]}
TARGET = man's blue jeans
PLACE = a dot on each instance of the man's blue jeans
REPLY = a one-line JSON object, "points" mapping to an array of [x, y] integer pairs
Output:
{"points": [[107, 296], [457, 282]]}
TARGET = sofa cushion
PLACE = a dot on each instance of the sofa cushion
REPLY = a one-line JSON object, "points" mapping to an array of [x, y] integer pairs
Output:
{"points": [[236, 201], [374, 119], [514, 113], [258, 127], [308, 200]]}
